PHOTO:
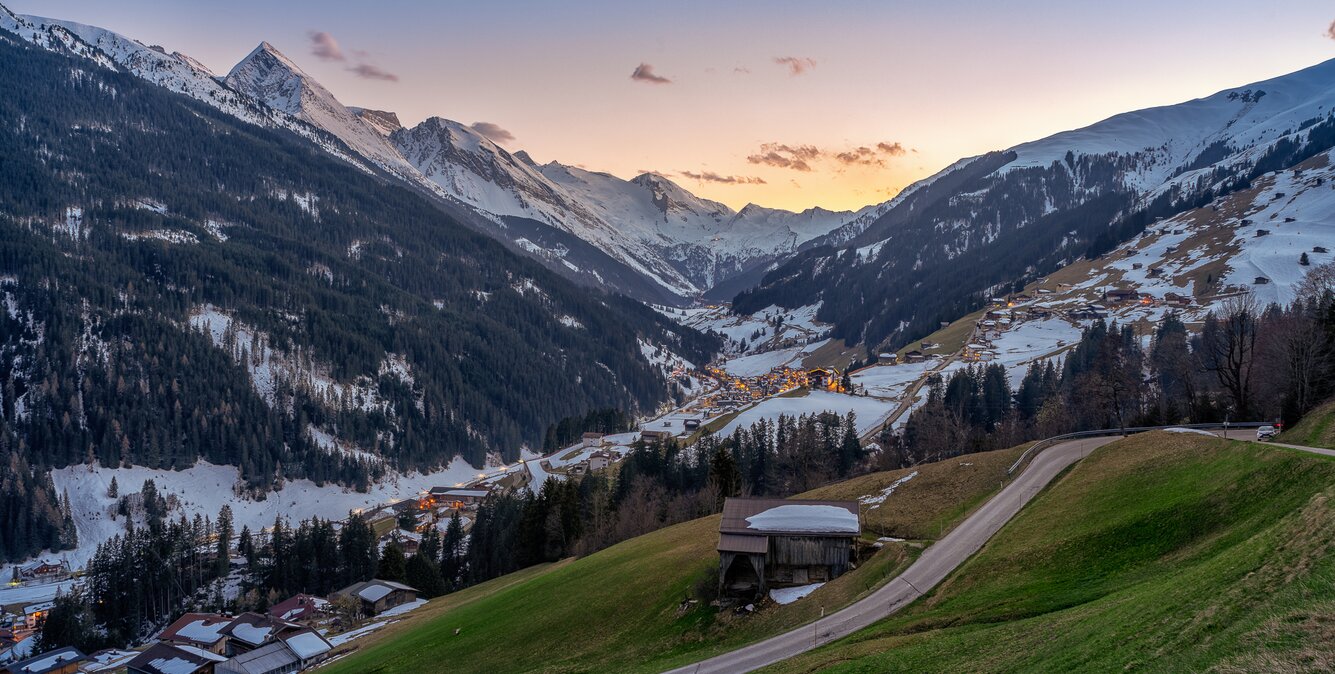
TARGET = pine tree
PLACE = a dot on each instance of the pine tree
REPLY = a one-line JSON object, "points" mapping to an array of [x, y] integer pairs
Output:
{"points": [[422, 573], [724, 474], [114, 490], [224, 534], [392, 564], [451, 563], [246, 546], [407, 519]]}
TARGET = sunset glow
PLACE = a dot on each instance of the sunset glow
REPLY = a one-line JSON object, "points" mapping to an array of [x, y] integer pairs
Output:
{"points": [[788, 105]]}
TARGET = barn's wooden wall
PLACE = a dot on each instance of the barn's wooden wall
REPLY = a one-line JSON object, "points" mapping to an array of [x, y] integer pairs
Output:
{"points": [[809, 551]]}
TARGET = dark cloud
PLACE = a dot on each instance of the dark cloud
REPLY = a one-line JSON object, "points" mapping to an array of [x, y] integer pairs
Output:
{"points": [[645, 73], [325, 47], [892, 149], [371, 72], [795, 157], [711, 177], [1330, 32], [741, 70], [493, 132], [796, 65]]}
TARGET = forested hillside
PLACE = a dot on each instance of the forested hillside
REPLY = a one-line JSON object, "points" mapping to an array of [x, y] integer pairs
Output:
{"points": [[180, 286]]}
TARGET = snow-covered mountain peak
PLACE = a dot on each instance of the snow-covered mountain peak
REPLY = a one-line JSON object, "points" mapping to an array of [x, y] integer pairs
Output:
{"points": [[524, 157], [273, 78], [265, 51], [383, 122], [269, 76], [670, 197]]}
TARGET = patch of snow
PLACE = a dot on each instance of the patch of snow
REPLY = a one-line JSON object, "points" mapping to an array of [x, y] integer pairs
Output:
{"points": [[788, 595], [403, 608], [795, 517], [870, 411], [1194, 431], [875, 500]]}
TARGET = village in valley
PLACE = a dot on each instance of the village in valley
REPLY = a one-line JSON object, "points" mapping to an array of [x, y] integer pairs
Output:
{"points": [[299, 631], [778, 362]]}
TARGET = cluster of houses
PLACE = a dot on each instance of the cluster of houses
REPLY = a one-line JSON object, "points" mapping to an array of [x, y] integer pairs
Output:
{"points": [[287, 638], [735, 391]]}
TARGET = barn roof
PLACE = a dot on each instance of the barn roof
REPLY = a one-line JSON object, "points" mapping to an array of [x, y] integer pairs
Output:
{"points": [[737, 510], [753, 545]]}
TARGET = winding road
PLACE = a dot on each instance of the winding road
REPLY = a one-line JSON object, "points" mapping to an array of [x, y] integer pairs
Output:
{"points": [[936, 562]]}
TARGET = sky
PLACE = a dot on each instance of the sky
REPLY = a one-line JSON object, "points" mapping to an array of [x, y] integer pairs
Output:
{"points": [[837, 104]]}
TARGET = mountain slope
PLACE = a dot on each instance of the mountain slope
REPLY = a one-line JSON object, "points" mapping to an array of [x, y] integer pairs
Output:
{"points": [[621, 609], [993, 222], [269, 307], [1164, 552]]}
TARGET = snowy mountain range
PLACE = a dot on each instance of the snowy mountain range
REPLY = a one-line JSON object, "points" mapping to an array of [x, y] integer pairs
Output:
{"points": [[684, 243], [647, 227], [991, 222]]}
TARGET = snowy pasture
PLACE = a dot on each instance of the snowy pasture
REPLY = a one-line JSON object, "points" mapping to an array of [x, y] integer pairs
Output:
{"points": [[869, 410]]}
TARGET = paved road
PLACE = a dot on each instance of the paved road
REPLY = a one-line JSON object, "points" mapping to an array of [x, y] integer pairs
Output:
{"points": [[936, 562], [1250, 434]]}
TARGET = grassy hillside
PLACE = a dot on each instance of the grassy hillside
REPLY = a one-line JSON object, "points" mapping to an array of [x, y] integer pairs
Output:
{"points": [[622, 609], [1163, 552], [1315, 429]]}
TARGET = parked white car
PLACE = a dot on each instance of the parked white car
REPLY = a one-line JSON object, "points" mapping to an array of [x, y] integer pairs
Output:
{"points": [[1265, 433]]}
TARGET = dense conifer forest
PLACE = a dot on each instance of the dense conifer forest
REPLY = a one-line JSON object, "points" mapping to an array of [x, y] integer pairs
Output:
{"points": [[126, 212]]}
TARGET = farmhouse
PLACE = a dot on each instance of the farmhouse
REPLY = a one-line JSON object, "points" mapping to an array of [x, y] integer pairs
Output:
{"points": [[457, 498], [199, 630], [164, 658], [600, 460], [1176, 300], [34, 615], [914, 356], [250, 631], [592, 439], [378, 595], [1119, 295], [818, 378], [771, 542], [60, 661], [44, 572], [299, 607], [291, 652], [655, 435]]}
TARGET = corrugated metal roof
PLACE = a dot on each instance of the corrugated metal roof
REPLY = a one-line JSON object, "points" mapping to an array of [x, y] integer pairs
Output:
{"points": [[267, 659], [736, 510], [754, 545]]}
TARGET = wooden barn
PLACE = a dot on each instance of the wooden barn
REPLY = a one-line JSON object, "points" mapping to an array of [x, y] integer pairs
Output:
{"points": [[772, 542]]}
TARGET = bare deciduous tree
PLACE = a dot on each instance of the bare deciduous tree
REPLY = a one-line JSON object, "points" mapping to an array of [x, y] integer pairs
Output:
{"points": [[1228, 349]]}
